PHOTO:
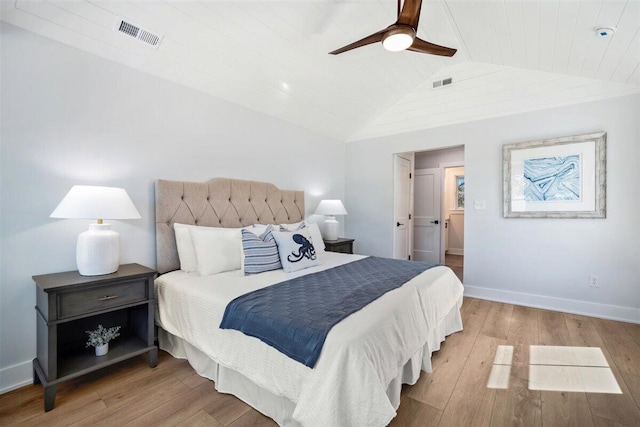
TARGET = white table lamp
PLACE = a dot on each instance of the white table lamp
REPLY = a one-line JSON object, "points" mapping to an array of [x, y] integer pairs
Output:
{"points": [[98, 250], [330, 226]]}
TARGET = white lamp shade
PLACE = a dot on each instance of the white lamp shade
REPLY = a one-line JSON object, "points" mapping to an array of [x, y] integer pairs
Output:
{"points": [[93, 202], [98, 249], [331, 207]]}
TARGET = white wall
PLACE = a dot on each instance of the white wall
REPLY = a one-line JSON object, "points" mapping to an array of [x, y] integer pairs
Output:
{"points": [[69, 117], [541, 262], [433, 158]]}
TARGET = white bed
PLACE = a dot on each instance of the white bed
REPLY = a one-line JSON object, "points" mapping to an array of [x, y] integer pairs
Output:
{"points": [[364, 362]]}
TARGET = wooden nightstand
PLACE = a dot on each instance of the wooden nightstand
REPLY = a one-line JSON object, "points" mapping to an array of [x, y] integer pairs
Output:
{"points": [[69, 304], [342, 245]]}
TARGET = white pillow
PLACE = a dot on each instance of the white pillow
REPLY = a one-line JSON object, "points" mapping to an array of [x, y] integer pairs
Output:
{"points": [[259, 229], [290, 227], [217, 249], [296, 249], [316, 236], [186, 252]]}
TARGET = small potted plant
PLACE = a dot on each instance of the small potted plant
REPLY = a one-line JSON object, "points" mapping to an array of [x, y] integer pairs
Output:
{"points": [[100, 338]]}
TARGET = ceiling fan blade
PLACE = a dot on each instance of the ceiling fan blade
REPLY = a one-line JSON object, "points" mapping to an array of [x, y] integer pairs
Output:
{"points": [[410, 14], [422, 46], [373, 38]]}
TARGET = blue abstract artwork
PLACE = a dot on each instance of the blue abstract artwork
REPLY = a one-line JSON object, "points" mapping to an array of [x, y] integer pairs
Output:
{"points": [[552, 179]]}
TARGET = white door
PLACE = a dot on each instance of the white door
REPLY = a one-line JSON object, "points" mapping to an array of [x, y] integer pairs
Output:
{"points": [[426, 205], [402, 208]]}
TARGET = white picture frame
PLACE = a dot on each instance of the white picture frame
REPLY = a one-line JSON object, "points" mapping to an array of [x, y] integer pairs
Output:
{"points": [[555, 178]]}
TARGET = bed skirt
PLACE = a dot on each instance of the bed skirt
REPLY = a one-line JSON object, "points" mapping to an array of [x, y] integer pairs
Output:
{"points": [[280, 408]]}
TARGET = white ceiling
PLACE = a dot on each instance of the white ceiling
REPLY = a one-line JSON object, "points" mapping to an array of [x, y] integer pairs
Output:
{"points": [[271, 56]]}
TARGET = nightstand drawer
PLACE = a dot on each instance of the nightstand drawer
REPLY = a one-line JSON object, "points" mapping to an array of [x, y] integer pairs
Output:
{"points": [[344, 248], [101, 298], [342, 245]]}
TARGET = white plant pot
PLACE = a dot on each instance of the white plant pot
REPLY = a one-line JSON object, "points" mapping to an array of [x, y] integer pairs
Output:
{"points": [[103, 349]]}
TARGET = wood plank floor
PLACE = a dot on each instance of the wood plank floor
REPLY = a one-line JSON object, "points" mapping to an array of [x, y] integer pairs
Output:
{"points": [[456, 263], [454, 394]]}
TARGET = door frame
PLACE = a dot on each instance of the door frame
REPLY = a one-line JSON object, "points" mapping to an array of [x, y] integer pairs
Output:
{"points": [[410, 156], [442, 166]]}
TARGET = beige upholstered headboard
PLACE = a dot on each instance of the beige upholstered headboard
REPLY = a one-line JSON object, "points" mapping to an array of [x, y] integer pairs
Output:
{"points": [[220, 202]]}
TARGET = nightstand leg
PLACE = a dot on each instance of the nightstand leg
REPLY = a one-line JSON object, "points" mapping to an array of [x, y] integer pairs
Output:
{"points": [[49, 397], [153, 358]]}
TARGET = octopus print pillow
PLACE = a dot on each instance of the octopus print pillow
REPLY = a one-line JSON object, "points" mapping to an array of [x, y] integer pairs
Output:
{"points": [[296, 249]]}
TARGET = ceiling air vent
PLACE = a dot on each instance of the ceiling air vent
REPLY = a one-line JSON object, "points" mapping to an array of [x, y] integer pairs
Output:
{"points": [[443, 82], [145, 36]]}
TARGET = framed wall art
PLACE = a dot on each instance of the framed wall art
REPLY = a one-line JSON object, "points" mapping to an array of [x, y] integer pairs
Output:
{"points": [[555, 178]]}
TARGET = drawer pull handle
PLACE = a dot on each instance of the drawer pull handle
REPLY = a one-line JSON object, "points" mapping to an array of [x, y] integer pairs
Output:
{"points": [[107, 297]]}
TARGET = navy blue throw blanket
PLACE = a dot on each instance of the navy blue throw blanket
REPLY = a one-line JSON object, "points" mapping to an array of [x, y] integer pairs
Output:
{"points": [[296, 315]]}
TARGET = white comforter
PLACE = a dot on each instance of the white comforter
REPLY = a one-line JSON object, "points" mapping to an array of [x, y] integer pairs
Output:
{"points": [[361, 355]]}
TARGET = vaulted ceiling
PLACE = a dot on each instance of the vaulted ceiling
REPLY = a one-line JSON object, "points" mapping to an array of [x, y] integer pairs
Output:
{"points": [[272, 56]]}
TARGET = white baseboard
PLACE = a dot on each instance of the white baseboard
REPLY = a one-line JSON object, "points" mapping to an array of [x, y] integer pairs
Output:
{"points": [[16, 376], [604, 311], [455, 251]]}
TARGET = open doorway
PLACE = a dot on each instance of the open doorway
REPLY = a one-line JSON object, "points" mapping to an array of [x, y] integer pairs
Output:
{"points": [[453, 214], [436, 225]]}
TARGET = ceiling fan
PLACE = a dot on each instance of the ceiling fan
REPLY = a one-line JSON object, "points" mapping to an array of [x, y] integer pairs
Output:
{"points": [[402, 34]]}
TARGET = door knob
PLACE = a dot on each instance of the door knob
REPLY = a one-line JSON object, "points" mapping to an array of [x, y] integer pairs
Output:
{"points": [[435, 222], [398, 224]]}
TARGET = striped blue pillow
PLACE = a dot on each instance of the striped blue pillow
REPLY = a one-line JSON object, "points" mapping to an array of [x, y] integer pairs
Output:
{"points": [[260, 252]]}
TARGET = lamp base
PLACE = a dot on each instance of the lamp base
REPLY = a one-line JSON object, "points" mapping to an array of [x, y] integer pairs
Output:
{"points": [[98, 251], [330, 228]]}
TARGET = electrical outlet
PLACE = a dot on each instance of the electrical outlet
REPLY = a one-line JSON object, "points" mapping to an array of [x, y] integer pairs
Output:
{"points": [[479, 204], [594, 281]]}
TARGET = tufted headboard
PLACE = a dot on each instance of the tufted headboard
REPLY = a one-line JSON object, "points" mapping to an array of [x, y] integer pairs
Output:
{"points": [[220, 202]]}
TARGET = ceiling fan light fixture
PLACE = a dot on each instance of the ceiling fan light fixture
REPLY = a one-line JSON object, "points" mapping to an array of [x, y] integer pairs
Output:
{"points": [[398, 39], [401, 35]]}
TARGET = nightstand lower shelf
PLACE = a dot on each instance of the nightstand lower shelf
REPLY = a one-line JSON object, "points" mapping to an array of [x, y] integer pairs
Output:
{"points": [[120, 349], [79, 365]]}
